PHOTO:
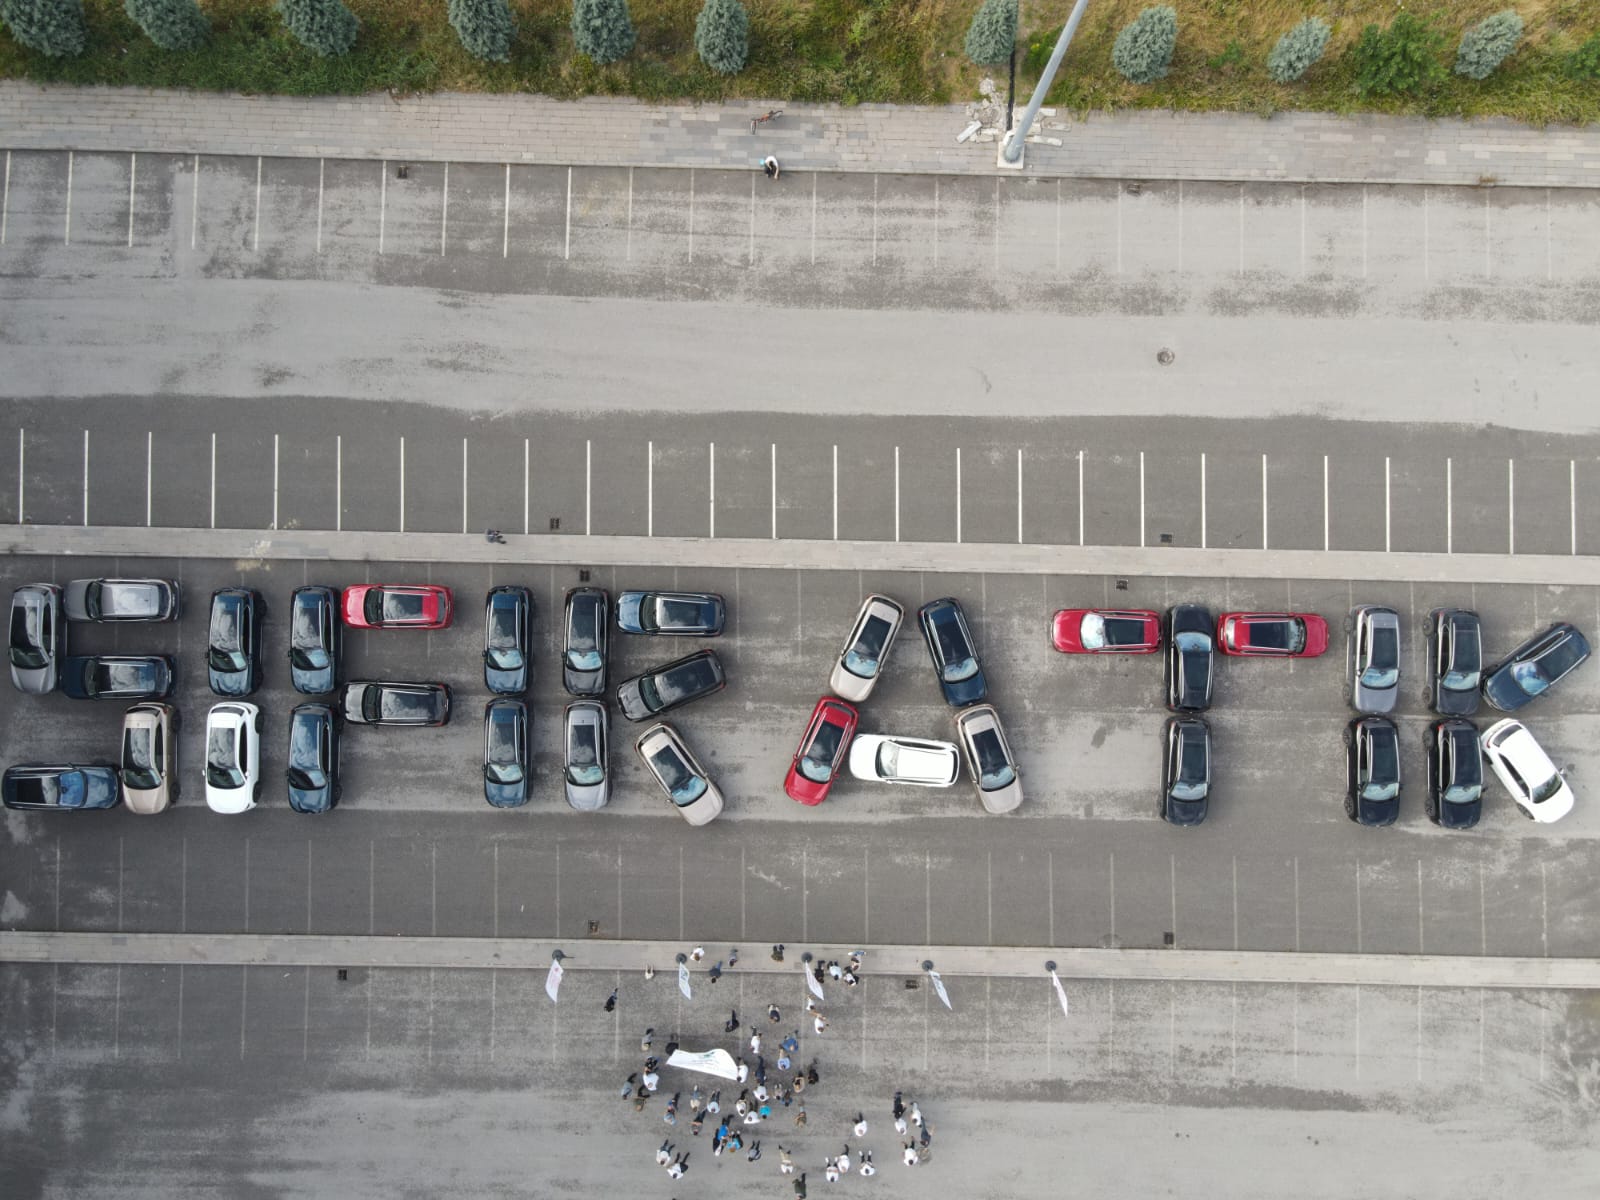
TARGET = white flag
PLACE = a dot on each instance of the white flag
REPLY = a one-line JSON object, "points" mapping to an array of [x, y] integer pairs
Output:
{"points": [[712, 1062], [552, 981], [938, 986], [683, 981], [1061, 993], [811, 981]]}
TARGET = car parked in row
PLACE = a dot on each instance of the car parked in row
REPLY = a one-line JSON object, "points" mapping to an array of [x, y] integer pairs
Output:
{"points": [[313, 767], [1534, 667], [585, 630], [1535, 783], [122, 600], [59, 787], [1272, 635], [117, 677], [1374, 659], [233, 757], [954, 654], [664, 688], [388, 702], [1190, 657], [1455, 661], [149, 758], [1372, 796], [989, 758], [38, 638], [505, 753], [316, 639], [1106, 631], [507, 639], [678, 773], [586, 761], [866, 650], [1455, 774], [233, 641], [1186, 771], [821, 752], [922, 762], [398, 606], [673, 614]]}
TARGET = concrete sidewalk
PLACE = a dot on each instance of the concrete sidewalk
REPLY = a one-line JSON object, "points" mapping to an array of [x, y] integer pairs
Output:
{"points": [[1301, 147]]}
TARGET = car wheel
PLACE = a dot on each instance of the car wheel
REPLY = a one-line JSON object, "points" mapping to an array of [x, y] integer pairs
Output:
{"points": [[258, 723], [1350, 807]]}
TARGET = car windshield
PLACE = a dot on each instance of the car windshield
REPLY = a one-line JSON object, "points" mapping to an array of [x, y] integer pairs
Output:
{"points": [[121, 677], [1563, 658], [1462, 793], [226, 661], [222, 764], [1383, 659], [583, 756], [954, 649], [371, 703], [1530, 677], [68, 790], [305, 638], [817, 762], [138, 758], [672, 614], [401, 606], [866, 652], [1459, 681], [1191, 642], [1383, 781], [678, 684], [1191, 781], [1287, 634], [1546, 790], [503, 652], [682, 784], [583, 637], [24, 640], [305, 752], [1097, 631], [888, 759], [994, 770]]}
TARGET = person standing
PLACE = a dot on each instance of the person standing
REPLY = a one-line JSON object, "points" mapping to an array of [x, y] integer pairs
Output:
{"points": [[697, 954], [671, 1116], [716, 971], [696, 1100], [694, 1125], [916, 1114], [899, 1107], [773, 1014], [800, 1188], [627, 1086], [785, 1162], [651, 1080], [664, 1154], [770, 166], [777, 952], [820, 1024], [910, 1155], [680, 1164], [732, 1023], [611, 1001], [755, 1043], [866, 1163], [755, 1151], [714, 1105], [861, 1125], [844, 1160], [800, 1116], [733, 958], [830, 1170]]}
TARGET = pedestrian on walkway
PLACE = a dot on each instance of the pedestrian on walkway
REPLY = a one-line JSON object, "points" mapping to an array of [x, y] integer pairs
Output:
{"points": [[764, 1111], [651, 1063], [855, 960], [755, 1151], [716, 971], [743, 1069], [910, 1155], [831, 1170], [694, 1125], [850, 979], [651, 1080], [671, 1046], [761, 1069], [899, 1106], [926, 1137], [786, 1095], [752, 1118], [714, 1105], [834, 972], [644, 1042], [722, 1130], [900, 1126], [777, 952], [627, 1086], [785, 1162], [760, 1094], [800, 1116], [735, 1140], [649, 973], [773, 1014], [671, 1117], [611, 1001], [800, 1188], [770, 166], [818, 972], [680, 1164], [792, 1042], [811, 1073], [696, 1100], [820, 1024], [755, 1043], [732, 1023], [866, 1163], [916, 1114], [784, 1062], [742, 1104], [664, 1155], [639, 1098], [844, 1160], [861, 1125], [733, 958], [697, 954], [799, 1081]]}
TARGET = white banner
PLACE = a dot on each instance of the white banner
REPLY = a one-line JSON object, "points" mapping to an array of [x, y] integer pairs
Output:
{"points": [[712, 1062], [1061, 993], [552, 981], [938, 986], [811, 980], [683, 981]]}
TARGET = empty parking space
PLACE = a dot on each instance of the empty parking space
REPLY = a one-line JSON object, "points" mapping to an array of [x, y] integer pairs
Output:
{"points": [[1092, 237], [291, 191]]}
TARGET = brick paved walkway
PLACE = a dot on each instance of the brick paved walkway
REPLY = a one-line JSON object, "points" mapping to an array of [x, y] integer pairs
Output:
{"points": [[461, 128]]}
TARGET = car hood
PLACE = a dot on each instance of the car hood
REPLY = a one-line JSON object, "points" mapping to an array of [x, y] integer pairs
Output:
{"points": [[1186, 812], [505, 795], [588, 798], [311, 800], [1502, 691], [1377, 812], [1455, 704], [582, 683], [968, 691], [628, 605], [1460, 816], [505, 681], [312, 682]]}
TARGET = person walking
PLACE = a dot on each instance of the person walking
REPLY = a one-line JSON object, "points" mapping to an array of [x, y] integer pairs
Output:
{"points": [[773, 1014], [800, 1188], [855, 960], [743, 1070], [611, 1001], [850, 979], [627, 1086], [900, 1126], [696, 1100], [755, 1043], [742, 1104], [910, 1156], [861, 1125], [644, 1042], [792, 1042], [671, 1116], [818, 972], [785, 1162], [811, 1073], [834, 972], [831, 1170], [697, 954], [777, 952], [866, 1163], [649, 973], [760, 1094], [732, 1023], [820, 1024], [755, 1151], [680, 1164], [800, 1116], [733, 958], [761, 1069], [640, 1097], [844, 1160], [651, 1080], [694, 1125], [714, 1105], [899, 1106], [916, 1114], [770, 166], [716, 971], [664, 1155]]}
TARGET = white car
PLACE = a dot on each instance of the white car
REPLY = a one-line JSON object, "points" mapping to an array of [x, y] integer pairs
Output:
{"points": [[1534, 782], [233, 757], [879, 758], [989, 758], [867, 650], [679, 774]]}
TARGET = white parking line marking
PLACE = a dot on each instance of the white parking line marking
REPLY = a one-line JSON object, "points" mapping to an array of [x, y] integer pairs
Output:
{"points": [[1359, 948], [650, 490], [1241, 229], [566, 250], [1549, 261], [1019, 495], [1426, 236], [402, 483], [274, 481], [1235, 901], [958, 495], [194, 210], [85, 476], [444, 209], [1386, 506], [1449, 507], [874, 218], [1572, 503], [1297, 904], [133, 175], [149, 455], [66, 237], [897, 493], [814, 224], [628, 256], [1486, 237], [750, 255], [5, 201], [1080, 497], [691, 206], [588, 485], [322, 175], [1544, 910], [1302, 230], [255, 239], [774, 477], [505, 231], [22, 475], [383, 211], [1263, 501], [463, 485], [1118, 186], [1058, 222], [836, 493], [711, 459], [1511, 506], [1172, 871], [1180, 226], [213, 481], [1325, 541], [936, 221], [1202, 499], [1363, 231], [525, 482], [1141, 499], [1111, 891], [338, 482]]}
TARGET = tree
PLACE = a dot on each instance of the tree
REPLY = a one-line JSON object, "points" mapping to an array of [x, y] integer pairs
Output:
{"points": [[52, 27], [722, 36], [993, 34], [1298, 50], [1488, 44], [170, 24], [1400, 60], [1143, 50], [484, 27], [602, 29], [324, 26]]}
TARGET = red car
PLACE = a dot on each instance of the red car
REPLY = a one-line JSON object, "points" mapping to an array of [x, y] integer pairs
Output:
{"points": [[397, 606], [822, 750], [1106, 631], [1272, 635]]}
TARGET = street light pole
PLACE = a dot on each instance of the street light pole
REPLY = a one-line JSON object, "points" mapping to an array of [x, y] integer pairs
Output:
{"points": [[1011, 147]]}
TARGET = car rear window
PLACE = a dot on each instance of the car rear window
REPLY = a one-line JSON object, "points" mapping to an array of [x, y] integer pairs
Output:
{"points": [[994, 771], [403, 606], [1277, 635], [1124, 631]]}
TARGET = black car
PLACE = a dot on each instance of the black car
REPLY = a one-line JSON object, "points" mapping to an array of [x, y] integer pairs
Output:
{"points": [[1372, 796], [954, 655], [1455, 666], [233, 646], [1186, 778], [583, 650], [1455, 774], [313, 773], [1191, 657], [505, 753], [1534, 667], [678, 614], [315, 638], [661, 689], [507, 617], [372, 702], [60, 788], [117, 677]]}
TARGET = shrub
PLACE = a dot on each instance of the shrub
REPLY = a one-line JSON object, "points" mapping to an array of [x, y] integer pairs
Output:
{"points": [[484, 27], [326, 27], [1298, 50], [1488, 44], [602, 29], [992, 36], [722, 36], [1584, 62], [52, 27], [1400, 60], [1143, 50], [170, 24]]}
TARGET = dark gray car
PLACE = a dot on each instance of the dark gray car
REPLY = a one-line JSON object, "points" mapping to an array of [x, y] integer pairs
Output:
{"points": [[313, 770], [663, 688], [385, 702], [1455, 661], [122, 600], [117, 677], [315, 636], [1186, 774], [61, 788], [1374, 659], [679, 614], [38, 638], [586, 628], [1191, 657]]}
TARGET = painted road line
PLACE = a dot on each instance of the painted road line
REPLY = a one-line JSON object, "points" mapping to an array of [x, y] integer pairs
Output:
{"points": [[958, 495], [213, 481], [1387, 509], [650, 490], [85, 476], [691, 209], [338, 481], [1572, 503], [66, 233], [322, 174], [1202, 499], [194, 208], [1363, 231], [935, 218], [774, 477], [22, 475], [274, 481], [5, 201], [255, 241], [750, 254], [463, 485], [1511, 506], [566, 249], [1487, 239], [874, 219], [836, 493], [711, 491], [505, 234], [588, 483], [814, 226], [628, 256], [1241, 229], [1080, 497], [1019, 495], [133, 175], [444, 210], [897, 493], [1141, 499], [1449, 507], [383, 200], [1264, 544], [526, 479], [1426, 238], [149, 455], [402, 483]]}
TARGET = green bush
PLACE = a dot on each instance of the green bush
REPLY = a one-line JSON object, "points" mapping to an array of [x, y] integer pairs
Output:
{"points": [[1400, 60], [992, 36], [52, 27], [1584, 62], [1488, 44], [170, 24], [1298, 50], [602, 29], [722, 36], [484, 27], [1143, 50], [325, 27]]}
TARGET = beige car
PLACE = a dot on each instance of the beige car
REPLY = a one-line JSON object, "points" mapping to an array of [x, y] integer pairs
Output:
{"points": [[679, 774], [866, 651], [989, 758], [149, 758]]}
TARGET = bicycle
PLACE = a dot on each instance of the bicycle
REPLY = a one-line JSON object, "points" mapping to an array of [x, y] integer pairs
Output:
{"points": [[772, 115]]}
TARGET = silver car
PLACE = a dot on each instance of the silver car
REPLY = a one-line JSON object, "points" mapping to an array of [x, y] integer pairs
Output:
{"points": [[38, 637], [865, 652], [989, 758], [1374, 659], [122, 600], [587, 741], [149, 758], [881, 759], [679, 774]]}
